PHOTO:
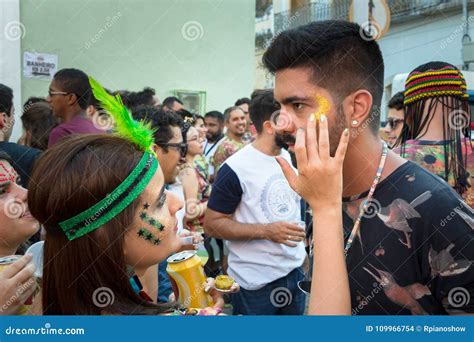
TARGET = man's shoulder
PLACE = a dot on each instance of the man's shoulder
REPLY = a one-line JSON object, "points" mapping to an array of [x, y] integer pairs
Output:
{"points": [[17, 151], [240, 157]]}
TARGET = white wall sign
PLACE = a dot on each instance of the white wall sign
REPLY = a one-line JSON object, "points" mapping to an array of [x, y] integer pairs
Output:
{"points": [[39, 65]]}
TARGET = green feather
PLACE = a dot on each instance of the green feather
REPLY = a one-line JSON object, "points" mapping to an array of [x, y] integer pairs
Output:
{"points": [[137, 132]]}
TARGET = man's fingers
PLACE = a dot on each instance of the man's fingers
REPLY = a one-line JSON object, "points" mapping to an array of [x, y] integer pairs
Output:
{"points": [[311, 139], [235, 287], [323, 138], [296, 238], [300, 148], [289, 244], [342, 148], [288, 171], [16, 267], [296, 231]]}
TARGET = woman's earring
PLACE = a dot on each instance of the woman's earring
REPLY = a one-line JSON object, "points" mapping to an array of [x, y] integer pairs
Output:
{"points": [[354, 122]]}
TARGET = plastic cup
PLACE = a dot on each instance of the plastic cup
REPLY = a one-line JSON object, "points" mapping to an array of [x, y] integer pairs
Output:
{"points": [[36, 250]]}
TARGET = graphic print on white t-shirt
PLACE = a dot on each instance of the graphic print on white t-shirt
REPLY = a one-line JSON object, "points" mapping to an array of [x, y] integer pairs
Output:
{"points": [[277, 203]]}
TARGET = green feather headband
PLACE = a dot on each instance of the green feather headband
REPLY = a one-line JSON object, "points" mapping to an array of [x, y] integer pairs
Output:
{"points": [[115, 202]]}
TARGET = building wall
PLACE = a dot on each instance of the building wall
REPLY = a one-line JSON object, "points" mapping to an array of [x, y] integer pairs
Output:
{"points": [[10, 48], [165, 44], [434, 38]]}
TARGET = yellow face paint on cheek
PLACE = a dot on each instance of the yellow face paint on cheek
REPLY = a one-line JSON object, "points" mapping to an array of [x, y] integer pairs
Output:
{"points": [[323, 106]]}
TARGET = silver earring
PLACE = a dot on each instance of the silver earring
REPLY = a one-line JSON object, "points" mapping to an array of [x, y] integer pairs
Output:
{"points": [[354, 122]]}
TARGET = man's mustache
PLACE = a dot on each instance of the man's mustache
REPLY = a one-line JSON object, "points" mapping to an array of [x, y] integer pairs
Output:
{"points": [[287, 138]]}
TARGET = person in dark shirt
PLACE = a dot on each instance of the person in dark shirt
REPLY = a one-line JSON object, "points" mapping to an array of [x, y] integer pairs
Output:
{"points": [[409, 238], [23, 158], [69, 95]]}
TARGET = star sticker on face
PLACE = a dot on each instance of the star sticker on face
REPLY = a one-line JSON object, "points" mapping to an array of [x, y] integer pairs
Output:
{"points": [[143, 216], [146, 206]]}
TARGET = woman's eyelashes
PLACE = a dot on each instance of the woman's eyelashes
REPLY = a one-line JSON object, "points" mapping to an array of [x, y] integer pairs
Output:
{"points": [[161, 200], [4, 188]]}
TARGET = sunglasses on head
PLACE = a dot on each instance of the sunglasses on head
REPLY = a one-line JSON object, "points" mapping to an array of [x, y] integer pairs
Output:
{"points": [[394, 122]]}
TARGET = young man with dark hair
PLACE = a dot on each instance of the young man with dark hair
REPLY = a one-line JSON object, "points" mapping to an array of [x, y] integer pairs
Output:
{"points": [[172, 103], [410, 242], [214, 121], [168, 138], [253, 207], [396, 113], [23, 157], [145, 97], [69, 96], [244, 104], [169, 148], [235, 122]]}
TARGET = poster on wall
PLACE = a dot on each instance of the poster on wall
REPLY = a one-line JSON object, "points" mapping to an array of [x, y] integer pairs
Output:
{"points": [[39, 65], [193, 100]]}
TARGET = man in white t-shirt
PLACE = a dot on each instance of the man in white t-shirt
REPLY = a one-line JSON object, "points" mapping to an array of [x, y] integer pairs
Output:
{"points": [[253, 207]]}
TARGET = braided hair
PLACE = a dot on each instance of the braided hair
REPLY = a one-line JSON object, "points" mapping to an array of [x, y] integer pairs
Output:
{"points": [[439, 84]]}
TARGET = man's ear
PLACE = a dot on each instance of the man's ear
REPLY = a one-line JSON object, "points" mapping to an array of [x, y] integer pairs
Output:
{"points": [[268, 128], [3, 120], [157, 149], [72, 99], [358, 107]]}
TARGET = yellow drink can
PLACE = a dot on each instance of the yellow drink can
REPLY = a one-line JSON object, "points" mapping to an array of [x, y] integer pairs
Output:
{"points": [[188, 279]]}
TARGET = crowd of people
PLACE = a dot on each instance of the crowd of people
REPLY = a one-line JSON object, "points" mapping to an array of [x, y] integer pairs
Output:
{"points": [[302, 203]]}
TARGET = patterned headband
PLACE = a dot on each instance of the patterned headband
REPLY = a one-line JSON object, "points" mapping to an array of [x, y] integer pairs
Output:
{"points": [[141, 135], [447, 81]]}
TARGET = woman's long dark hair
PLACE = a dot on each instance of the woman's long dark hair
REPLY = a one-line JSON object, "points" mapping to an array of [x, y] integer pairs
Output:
{"points": [[69, 178], [456, 127]]}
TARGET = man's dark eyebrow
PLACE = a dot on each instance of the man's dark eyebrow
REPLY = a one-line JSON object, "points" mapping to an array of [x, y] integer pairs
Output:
{"points": [[161, 194], [291, 99]]}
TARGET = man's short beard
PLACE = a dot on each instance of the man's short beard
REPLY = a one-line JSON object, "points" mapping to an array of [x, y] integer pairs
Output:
{"points": [[214, 136], [280, 142]]}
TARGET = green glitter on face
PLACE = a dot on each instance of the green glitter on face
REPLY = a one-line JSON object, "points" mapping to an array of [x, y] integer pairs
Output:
{"points": [[148, 236], [151, 221]]}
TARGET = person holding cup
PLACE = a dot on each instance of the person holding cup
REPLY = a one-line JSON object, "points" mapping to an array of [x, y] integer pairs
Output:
{"points": [[253, 207]]}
